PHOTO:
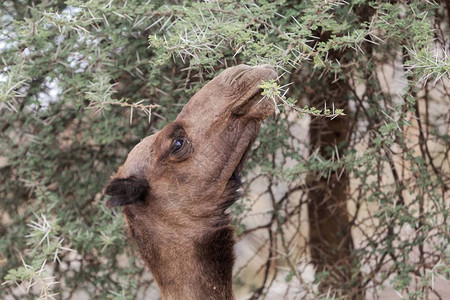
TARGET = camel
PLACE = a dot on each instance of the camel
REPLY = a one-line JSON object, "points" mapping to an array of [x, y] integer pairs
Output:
{"points": [[176, 184]]}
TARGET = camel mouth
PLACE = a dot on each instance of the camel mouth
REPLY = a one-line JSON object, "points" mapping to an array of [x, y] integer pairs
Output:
{"points": [[252, 103], [236, 175]]}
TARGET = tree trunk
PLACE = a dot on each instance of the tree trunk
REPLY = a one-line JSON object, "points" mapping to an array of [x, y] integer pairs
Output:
{"points": [[331, 242]]}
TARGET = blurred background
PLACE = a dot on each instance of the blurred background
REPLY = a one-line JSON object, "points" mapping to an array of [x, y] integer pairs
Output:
{"points": [[352, 206]]}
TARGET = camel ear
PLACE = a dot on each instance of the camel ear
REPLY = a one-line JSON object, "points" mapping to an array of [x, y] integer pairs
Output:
{"points": [[125, 191]]}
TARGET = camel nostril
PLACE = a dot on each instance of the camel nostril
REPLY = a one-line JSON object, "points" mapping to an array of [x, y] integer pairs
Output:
{"points": [[240, 72], [229, 76]]}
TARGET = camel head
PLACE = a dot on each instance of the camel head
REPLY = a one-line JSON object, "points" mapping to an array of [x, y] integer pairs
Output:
{"points": [[176, 184], [195, 159]]}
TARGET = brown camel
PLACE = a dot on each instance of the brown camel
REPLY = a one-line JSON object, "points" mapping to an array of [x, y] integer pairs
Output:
{"points": [[175, 185]]}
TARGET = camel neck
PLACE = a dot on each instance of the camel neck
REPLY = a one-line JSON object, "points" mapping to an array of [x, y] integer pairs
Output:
{"points": [[196, 264]]}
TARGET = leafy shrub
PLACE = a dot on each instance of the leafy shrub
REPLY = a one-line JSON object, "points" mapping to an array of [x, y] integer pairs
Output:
{"points": [[82, 82]]}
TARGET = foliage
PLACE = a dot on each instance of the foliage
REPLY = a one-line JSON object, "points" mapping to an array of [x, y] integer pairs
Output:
{"points": [[272, 90], [83, 81]]}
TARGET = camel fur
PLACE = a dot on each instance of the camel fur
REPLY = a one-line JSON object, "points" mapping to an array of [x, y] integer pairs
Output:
{"points": [[176, 184]]}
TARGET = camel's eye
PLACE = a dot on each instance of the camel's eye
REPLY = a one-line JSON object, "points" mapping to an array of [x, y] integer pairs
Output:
{"points": [[177, 145]]}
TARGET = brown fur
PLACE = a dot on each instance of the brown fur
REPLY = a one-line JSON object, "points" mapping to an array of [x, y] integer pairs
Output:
{"points": [[175, 197]]}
